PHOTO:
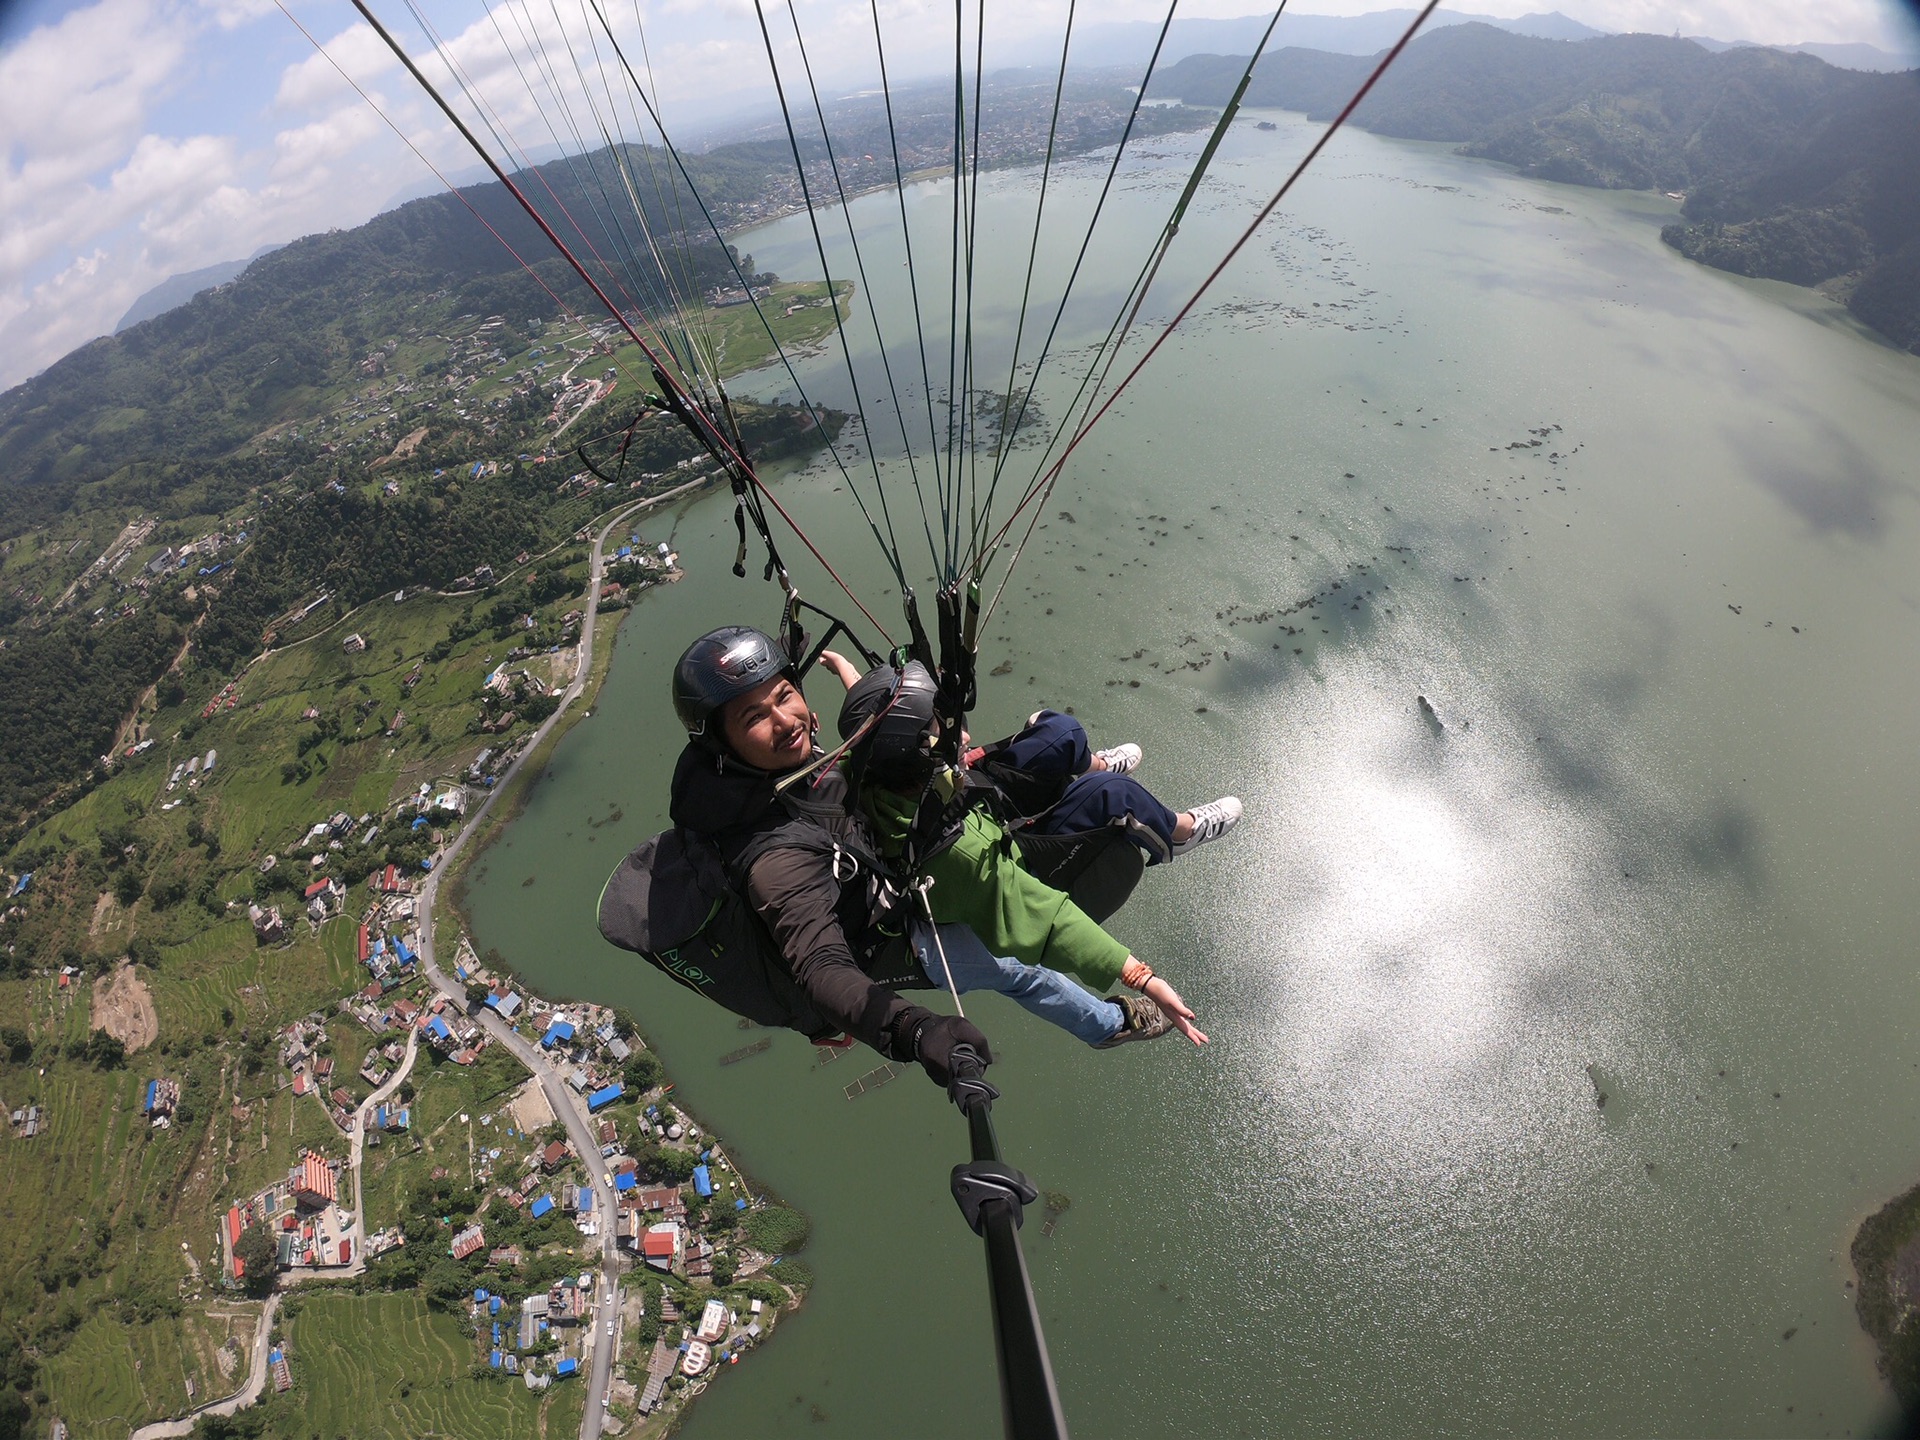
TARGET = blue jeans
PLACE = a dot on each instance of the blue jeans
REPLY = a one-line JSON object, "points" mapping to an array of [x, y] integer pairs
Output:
{"points": [[1056, 744], [1055, 998]]}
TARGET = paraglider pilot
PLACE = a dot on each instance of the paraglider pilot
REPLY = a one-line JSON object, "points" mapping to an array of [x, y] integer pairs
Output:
{"points": [[748, 725]]}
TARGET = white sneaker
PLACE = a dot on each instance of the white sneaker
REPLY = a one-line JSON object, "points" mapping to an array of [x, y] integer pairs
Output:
{"points": [[1210, 822], [1121, 759]]}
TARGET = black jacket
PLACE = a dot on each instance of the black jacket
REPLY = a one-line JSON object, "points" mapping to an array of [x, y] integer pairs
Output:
{"points": [[823, 928]]}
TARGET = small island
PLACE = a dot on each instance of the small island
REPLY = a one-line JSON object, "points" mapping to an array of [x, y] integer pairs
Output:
{"points": [[1886, 1259]]}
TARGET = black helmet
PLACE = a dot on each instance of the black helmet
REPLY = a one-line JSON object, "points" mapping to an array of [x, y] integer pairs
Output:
{"points": [[897, 749], [723, 665]]}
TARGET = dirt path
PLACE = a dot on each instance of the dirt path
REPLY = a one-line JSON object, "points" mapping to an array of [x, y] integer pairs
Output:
{"points": [[123, 1007]]}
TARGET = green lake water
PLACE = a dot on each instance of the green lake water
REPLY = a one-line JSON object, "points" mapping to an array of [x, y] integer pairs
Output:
{"points": [[1660, 847]]}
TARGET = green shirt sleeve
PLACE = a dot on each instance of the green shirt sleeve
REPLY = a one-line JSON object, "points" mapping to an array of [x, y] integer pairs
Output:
{"points": [[979, 881]]}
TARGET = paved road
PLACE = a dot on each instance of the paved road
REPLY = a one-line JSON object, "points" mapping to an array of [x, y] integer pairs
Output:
{"points": [[600, 1369]]}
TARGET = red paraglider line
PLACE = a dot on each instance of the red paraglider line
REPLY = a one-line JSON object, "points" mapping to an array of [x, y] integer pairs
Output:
{"points": [[660, 369]]}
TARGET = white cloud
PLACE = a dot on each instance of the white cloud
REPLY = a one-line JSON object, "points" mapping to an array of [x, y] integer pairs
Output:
{"points": [[66, 120], [316, 81], [140, 138]]}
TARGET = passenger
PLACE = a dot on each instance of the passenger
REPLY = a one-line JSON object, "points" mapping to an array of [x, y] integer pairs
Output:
{"points": [[1100, 789], [1013, 924]]}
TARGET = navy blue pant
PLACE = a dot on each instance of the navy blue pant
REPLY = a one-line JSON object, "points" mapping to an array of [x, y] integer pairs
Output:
{"points": [[1056, 744]]}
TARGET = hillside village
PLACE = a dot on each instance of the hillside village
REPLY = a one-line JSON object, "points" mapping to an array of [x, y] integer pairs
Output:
{"points": [[415, 1150], [257, 692], [493, 1212]]}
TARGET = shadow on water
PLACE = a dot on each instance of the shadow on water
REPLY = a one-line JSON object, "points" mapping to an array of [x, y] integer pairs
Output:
{"points": [[1843, 492], [1726, 841]]}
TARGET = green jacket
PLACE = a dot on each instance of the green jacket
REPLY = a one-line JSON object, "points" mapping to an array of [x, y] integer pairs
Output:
{"points": [[978, 881]]}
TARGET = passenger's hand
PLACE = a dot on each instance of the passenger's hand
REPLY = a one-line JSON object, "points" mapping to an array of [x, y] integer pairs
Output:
{"points": [[841, 667], [1178, 1011]]}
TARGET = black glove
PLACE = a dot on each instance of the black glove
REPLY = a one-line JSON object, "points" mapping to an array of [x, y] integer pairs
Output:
{"points": [[937, 1039]]}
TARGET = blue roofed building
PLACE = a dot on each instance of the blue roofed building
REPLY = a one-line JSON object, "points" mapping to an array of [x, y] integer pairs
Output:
{"points": [[626, 1180], [567, 1366], [558, 1033], [600, 1099], [542, 1207], [702, 1180]]}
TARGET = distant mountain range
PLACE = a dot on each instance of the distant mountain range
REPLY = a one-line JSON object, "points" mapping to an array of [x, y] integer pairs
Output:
{"points": [[1131, 43], [177, 290], [1791, 168]]}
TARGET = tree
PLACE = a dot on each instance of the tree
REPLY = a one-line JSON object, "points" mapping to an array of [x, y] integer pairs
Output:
{"points": [[446, 1286], [477, 995], [778, 1230], [258, 1252], [643, 1071], [105, 1052], [17, 1043], [724, 1268], [666, 1165]]}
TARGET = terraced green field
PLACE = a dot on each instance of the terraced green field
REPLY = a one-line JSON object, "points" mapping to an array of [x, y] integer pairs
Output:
{"points": [[385, 1367], [112, 1377]]}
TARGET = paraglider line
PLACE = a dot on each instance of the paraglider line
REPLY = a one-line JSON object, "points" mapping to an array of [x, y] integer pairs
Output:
{"points": [[1286, 186], [533, 214]]}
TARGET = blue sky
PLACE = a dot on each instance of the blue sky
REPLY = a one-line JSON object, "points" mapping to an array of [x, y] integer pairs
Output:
{"points": [[143, 138]]}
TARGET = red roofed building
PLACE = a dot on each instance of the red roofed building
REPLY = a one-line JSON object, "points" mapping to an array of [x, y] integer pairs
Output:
{"points": [[315, 890], [663, 1198], [467, 1242], [553, 1156], [235, 1225], [315, 1183], [364, 947]]}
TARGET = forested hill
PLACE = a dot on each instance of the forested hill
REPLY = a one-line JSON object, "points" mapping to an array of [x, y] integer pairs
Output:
{"points": [[1792, 169], [197, 382]]}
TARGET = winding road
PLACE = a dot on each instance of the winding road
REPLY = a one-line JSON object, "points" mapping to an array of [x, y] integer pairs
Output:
{"points": [[606, 1310], [607, 1307]]}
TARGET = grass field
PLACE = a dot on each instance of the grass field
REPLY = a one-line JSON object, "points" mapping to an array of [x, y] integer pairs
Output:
{"points": [[443, 1092], [385, 1367], [270, 1138], [741, 339]]}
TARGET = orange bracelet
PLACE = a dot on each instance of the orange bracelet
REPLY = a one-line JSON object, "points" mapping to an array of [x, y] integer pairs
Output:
{"points": [[1135, 974]]}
